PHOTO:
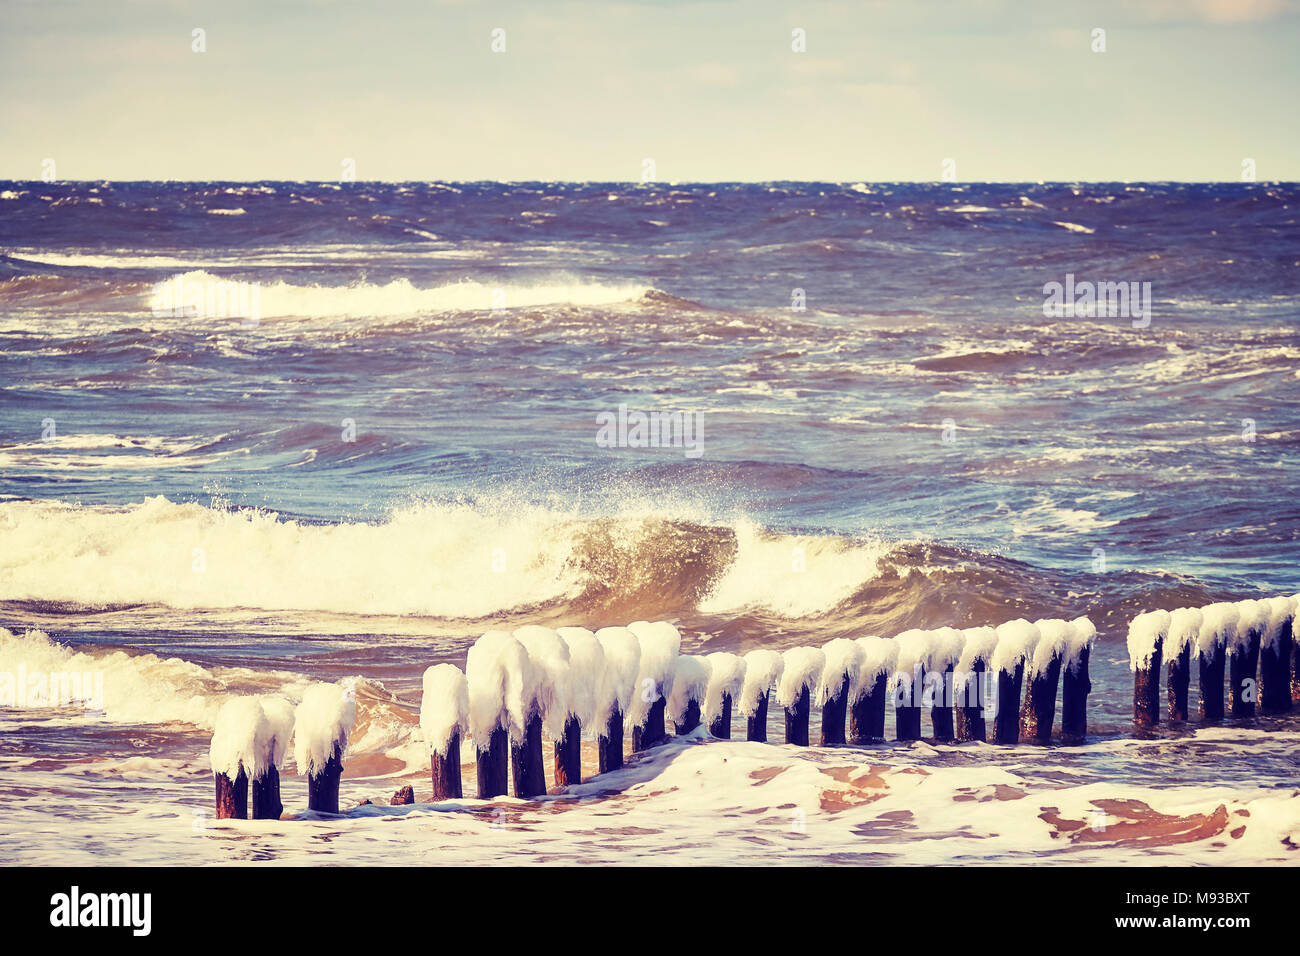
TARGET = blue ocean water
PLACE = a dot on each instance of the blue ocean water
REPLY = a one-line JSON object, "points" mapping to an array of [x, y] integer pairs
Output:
{"points": [[870, 365]]}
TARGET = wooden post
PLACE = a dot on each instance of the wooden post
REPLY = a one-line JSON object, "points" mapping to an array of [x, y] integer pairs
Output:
{"points": [[568, 754], [1180, 679], [232, 796], [907, 708], [1295, 665], [266, 795], [1040, 703], [526, 760], [833, 715], [867, 715], [970, 704], [1211, 678], [690, 719], [493, 767], [1006, 723], [609, 745], [444, 769], [796, 720], [941, 711], [1243, 665], [652, 732], [720, 726], [1075, 687], [1146, 688], [1275, 673], [323, 784], [756, 723]]}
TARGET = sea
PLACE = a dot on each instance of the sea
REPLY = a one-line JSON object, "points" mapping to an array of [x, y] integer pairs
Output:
{"points": [[255, 436]]}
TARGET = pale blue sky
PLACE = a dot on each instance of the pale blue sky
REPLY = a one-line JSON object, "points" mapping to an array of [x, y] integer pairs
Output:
{"points": [[711, 91]]}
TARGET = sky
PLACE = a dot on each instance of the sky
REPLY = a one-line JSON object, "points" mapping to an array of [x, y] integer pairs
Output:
{"points": [[1006, 90]]}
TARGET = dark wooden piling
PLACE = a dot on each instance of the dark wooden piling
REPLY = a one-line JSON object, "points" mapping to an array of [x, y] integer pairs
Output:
{"points": [[907, 705], [493, 766], [720, 725], [941, 710], [266, 795], [796, 719], [609, 745], [652, 732], [867, 714], [568, 754], [527, 763], [834, 712], [1178, 683], [756, 723], [1075, 687], [1006, 722], [970, 704], [323, 784], [232, 796], [1211, 680], [444, 770], [690, 719], [1039, 712], [1275, 673], [1243, 666], [1146, 688]]}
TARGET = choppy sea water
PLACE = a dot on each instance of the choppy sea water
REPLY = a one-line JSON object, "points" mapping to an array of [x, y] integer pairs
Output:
{"points": [[385, 440]]}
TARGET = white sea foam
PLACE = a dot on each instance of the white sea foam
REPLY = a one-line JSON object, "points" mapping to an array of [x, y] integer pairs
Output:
{"points": [[793, 576], [401, 298]]}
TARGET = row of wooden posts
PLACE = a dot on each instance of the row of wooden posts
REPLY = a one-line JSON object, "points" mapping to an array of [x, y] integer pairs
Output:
{"points": [[963, 719], [1266, 676], [956, 715]]}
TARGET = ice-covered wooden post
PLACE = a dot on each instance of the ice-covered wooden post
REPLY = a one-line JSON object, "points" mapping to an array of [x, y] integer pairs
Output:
{"points": [[591, 691], [839, 675], [1184, 624], [321, 727], [763, 668], [549, 710], [234, 754], [265, 782], [726, 679], [690, 684], [970, 682], [1016, 643], [1275, 657], [946, 645], [500, 675], [802, 669], [1146, 641], [1243, 657], [909, 681], [622, 661], [1076, 683], [1218, 625], [444, 719], [1043, 677], [660, 645], [869, 694]]}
